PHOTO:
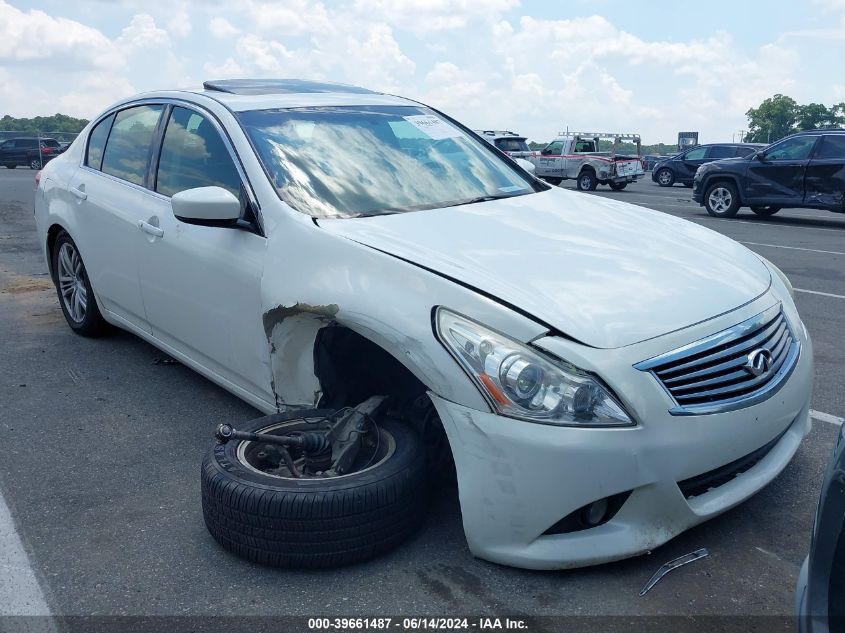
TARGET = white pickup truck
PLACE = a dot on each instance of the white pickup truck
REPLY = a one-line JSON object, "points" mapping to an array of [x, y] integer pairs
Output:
{"points": [[576, 155]]}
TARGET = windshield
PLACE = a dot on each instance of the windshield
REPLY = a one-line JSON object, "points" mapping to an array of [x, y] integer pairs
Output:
{"points": [[367, 160], [512, 144]]}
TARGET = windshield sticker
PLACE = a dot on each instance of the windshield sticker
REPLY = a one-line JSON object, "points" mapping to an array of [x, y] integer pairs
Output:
{"points": [[432, 126]]}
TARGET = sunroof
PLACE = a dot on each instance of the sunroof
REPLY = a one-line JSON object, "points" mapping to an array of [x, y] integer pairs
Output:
{"points": [[278, 86]]}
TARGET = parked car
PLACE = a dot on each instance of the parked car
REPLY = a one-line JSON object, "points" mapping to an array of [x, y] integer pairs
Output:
{"points": [[577, 156], [805, 170], [681, 168], [820, 594], [24, 151], [393, 292], [509, 142]]}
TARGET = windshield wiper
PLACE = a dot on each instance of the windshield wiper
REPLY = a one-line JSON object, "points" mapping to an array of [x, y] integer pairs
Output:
{"points": [[498, 196]]}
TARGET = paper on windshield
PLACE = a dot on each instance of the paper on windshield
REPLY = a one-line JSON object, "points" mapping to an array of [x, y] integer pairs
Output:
{"points": [[433, 126]]}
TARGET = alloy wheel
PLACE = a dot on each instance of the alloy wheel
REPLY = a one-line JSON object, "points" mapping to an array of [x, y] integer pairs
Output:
{"points": [[72, 282], [720, 200]]}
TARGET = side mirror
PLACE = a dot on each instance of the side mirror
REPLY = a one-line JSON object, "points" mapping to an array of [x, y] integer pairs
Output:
{"points": [[545, 151], [761, 156], [526, 165], [206, 204]]}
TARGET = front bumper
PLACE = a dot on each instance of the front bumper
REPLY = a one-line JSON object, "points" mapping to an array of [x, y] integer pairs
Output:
{"points": [[517, 479], [697, 191]]}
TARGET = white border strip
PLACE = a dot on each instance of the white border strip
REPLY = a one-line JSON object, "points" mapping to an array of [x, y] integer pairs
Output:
{"points": [[793, 248], [816, 292], [826, 417], [20, 593]]}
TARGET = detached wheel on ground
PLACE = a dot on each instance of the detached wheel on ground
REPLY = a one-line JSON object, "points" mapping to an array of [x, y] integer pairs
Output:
{"points": [[76, 297], [255, 506], [587, 181], [665, 177], [765, 211], [618, 186], [721, 200]]}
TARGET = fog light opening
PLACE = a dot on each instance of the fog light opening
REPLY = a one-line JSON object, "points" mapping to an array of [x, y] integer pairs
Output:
{"points": [[595, 513]]}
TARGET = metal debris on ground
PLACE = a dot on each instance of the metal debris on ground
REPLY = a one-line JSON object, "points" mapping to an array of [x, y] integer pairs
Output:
{"points": [[165, 361], [674, 564]]}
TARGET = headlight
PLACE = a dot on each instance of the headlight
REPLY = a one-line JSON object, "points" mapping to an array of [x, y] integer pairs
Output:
{"points": [[521, 383], [780, 274]]}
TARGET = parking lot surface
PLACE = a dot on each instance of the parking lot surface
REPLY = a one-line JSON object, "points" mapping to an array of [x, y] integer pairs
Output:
{"points": [[102, 447]]}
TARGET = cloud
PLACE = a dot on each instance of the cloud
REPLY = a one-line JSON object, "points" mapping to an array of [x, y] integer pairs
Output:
{"points": [[36, 36], [422, 16], [222, 28]]}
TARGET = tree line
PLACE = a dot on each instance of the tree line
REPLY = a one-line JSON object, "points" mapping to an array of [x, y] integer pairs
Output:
{"points": [[49, 124]]}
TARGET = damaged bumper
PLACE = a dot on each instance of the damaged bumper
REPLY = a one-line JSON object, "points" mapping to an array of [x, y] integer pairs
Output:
{"points": [[518, 480]]}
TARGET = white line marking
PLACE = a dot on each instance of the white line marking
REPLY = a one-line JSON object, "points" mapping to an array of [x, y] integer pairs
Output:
{"points": [[826, 417], [20, 593], [793, 248], [782, 225], [816, 292]]}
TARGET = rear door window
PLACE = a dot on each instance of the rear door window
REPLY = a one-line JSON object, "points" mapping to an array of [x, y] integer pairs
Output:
{"points": [[832, 147], [194, 155], [720, 151], [97, 143], [128, 149]]}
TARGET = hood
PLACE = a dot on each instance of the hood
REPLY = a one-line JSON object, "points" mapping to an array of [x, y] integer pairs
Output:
{"points": [[604, 272]]}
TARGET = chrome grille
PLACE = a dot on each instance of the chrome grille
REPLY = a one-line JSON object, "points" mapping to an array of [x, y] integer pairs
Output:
{"points": [[718, 373]]}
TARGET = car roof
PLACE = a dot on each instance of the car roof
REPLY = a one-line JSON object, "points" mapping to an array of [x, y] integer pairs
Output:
{"points": [[835, 130], [265, 94]]}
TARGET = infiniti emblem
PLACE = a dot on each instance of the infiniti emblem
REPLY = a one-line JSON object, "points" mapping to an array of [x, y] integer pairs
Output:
{"points": [[759, 362]]}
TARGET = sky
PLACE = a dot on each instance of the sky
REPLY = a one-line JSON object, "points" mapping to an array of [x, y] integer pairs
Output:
{"points": [[535, 67]]}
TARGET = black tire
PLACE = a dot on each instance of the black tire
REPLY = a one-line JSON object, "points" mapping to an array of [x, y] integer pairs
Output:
{"points": [[92, 323], [553, 181], [688, 185], [765, 211], [721, 199], [312, 522], [587, 181], [10, 166], [35, 163], [665, 177], [618, 186]]}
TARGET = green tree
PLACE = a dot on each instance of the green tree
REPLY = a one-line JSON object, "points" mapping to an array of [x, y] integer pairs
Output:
{"points": [[771, 120], [58, 125], [815, 115]]}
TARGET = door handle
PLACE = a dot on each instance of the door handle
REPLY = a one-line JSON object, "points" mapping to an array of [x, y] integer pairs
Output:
{"points": [[79, 193], [146, 227]]}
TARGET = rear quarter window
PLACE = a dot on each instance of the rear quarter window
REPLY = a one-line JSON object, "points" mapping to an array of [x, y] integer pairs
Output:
{"points": [[97, 142]]}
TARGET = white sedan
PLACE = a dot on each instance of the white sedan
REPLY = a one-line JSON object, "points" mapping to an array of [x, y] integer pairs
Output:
{"points": [[370, 273]]}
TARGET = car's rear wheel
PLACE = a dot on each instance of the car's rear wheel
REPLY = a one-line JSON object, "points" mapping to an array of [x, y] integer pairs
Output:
{"points": [[721, 200], [270, 516], [35, 163], [553, 181], [10, 166], [587, 181], [76, 297], [765, 211], [665, 177], [618, 186]]}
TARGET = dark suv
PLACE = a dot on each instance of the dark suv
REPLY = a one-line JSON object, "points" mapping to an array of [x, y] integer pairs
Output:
{"points": [[681, 168], [803, 170], [24, 151]]}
